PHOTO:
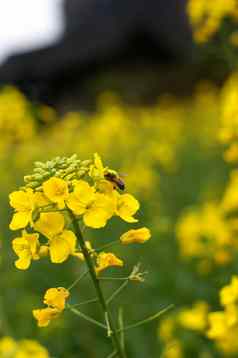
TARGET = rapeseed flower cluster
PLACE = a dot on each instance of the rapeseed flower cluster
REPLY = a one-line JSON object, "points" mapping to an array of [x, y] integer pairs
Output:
{"points": [[223, 325], [206, 17], [25, 348], [58, 194], [173, 329]]}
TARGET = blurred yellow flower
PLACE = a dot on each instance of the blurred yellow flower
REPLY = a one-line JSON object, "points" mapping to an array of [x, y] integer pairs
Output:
{"points": [[136, 236], [217, 325], [107, 259], [229, 293], [27, 249], [8, 347], [28, 348], [194, 318], [56, 190]]}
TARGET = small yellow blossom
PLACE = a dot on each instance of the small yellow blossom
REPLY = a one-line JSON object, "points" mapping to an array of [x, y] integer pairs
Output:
{"points": [[81, 198], [127, 206], [97, 170], [26, 248], [56, 297], [61, 246], [56, 190], [45, 315], [50, 224], [107, 259], [136, 236], [23, 203], [96, 208], [229, 293]]}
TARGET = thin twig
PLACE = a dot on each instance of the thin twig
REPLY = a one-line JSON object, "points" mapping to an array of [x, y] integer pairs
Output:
{"points": [[146, 320]]}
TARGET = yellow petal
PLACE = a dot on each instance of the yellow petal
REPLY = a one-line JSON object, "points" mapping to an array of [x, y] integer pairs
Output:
{"points": [[24, 261], [127, 206], [81, 197], [107, 259], [136, 236], [45, 315], [95, 218], [20, 220], [56, 297], [62, 246], [22, 200], [50, 224], [56, 190]]}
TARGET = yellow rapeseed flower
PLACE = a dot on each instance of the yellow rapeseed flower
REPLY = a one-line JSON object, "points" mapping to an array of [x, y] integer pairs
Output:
{"points": [[56, 190], [127, 206], [45, 315], [24, 204], [229, 293], [62, 246], [50, 224], [26, 248], [107, 259], [96, 208], [136, 236], [56, 297]]}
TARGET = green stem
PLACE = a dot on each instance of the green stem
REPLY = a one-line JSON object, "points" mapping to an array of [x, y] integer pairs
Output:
{"points": [[93, 300], [114, 336], [118, 290], [146, 320], [77, 280], [112, 243], [86, 317]]}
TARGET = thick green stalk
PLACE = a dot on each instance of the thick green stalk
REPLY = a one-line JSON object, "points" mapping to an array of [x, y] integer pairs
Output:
{"points": [[112, 333]]}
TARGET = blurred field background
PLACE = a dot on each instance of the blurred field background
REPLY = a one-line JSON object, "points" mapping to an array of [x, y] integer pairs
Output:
{"points": [[178, 152]]}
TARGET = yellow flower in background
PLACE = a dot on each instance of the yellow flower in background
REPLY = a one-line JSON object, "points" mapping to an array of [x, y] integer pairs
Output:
{"points": [[50, 224], [56, 297], [8, 347], [107, 259], [28, 348], [229, 293], [230, 198], [24, 204], [217, 325], [56, 190], [194, 318], [27, 249], [127, 206], [45, 315], [136, 236], [62, 246]]}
